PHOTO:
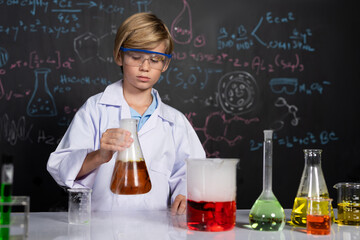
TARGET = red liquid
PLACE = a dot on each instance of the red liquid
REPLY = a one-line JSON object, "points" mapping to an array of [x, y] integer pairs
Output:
{"points": [[318, 225], [211, 216], [130, 177]]}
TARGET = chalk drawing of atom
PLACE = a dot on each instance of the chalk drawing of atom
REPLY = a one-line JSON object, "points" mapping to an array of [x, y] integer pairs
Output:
{"points": [[237, 92]]}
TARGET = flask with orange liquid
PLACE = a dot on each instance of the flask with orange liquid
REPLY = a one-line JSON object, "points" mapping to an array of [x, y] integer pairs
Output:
{"points": [[130, 175]]}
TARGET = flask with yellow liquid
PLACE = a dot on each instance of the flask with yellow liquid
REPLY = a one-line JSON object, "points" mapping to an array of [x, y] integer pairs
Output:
{"points": [[312, 185]]}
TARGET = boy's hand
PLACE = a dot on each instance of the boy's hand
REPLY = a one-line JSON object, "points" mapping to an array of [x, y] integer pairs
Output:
{"points": [[114, 139], [179, 205]]}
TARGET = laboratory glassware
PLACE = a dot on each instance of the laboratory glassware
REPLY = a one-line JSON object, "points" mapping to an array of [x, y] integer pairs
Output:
{"points": [[267, 214], [312, 184], [211, 194], [130, 175]]}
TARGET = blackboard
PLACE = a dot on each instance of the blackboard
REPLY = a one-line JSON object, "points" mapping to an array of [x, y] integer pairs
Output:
{"points": [[239, 67]]}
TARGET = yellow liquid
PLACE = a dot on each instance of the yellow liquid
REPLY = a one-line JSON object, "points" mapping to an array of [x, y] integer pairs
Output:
{"points": [[298, 214], [348, 213]]}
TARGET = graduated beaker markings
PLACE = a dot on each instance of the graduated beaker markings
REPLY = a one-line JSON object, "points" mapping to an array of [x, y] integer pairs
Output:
{"points": [[348, 203]]}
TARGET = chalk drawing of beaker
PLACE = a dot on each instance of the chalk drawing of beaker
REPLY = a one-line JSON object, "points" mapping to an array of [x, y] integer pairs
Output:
{"points": [[41, 103]]}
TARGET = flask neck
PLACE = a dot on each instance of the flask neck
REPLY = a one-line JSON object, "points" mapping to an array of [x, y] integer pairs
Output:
{"points": [[130, 125], [267, 165], [134, 152], [312, 180], [312, 157]]}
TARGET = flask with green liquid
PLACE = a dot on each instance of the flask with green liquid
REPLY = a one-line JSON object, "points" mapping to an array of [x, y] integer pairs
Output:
{"points": [[267, 214]]}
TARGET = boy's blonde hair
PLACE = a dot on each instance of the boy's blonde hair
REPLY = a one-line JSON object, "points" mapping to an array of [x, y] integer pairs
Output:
{"points": [[142, 31]]}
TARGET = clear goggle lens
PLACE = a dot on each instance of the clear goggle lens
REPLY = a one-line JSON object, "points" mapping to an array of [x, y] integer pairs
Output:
{"points": [[137, 57]]}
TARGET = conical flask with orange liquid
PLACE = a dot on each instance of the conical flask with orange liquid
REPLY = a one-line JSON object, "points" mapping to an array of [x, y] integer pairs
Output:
{"points": [[130, 175], [312, 185]]}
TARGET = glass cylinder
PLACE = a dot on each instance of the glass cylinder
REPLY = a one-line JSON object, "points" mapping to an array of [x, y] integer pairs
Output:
{"points": [[267, 214], [312, 185], [130, 175]]}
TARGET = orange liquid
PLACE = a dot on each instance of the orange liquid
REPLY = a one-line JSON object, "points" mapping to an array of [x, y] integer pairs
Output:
{"points": [[318, 225], [130, 177], [211, 216]]}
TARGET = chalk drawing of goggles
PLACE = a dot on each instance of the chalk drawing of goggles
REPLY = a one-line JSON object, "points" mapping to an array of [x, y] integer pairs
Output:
{"points": [[284, 85]]}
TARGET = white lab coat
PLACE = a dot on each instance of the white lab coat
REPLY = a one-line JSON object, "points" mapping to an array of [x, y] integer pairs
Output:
{"points": [[166, 139]]}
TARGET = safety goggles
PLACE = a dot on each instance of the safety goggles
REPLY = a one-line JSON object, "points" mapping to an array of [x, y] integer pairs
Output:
{"points": [[136, 57]]}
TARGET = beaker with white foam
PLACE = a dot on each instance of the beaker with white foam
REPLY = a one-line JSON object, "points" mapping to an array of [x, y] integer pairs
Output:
{"points": [[211, 194]]}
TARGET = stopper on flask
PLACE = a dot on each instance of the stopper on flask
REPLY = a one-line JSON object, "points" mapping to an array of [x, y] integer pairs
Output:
{"points": [[268, 134]]}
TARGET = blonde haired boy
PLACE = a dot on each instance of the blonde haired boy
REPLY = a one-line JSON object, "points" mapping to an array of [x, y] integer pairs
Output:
{"points": [[86, 155]]}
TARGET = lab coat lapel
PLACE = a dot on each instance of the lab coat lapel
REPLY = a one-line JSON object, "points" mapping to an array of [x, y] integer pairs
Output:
{"points": [[150, 123], [113, 95], [160, 114]]}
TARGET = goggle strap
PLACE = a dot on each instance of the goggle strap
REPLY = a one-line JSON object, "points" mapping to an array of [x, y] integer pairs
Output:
{"points": [[145, 51]]}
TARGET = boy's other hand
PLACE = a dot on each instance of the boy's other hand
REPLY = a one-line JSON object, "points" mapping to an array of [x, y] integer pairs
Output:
{"points": [[179, 205]]}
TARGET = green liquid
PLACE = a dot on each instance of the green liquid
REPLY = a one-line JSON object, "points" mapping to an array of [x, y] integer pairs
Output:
{"points": [[4, 234], [5, 211], [267, 215], [5, 197]]}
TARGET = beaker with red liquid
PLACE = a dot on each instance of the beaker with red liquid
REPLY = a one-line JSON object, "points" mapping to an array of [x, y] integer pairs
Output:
{"points": [[211, 194], [318, 216]]}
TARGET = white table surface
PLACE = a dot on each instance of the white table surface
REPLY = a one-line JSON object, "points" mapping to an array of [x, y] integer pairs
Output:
{"points": [[159, 225]]}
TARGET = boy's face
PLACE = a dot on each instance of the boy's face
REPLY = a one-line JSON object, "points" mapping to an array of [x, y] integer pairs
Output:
{"points": [[142, 77]]}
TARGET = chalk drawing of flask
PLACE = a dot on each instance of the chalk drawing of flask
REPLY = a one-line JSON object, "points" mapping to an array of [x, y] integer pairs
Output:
{"points": [[181, 27], [41, 103]]}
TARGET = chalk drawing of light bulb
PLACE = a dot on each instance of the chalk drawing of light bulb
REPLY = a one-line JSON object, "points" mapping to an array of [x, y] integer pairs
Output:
{"points": [[42, 102], [237, 92]]}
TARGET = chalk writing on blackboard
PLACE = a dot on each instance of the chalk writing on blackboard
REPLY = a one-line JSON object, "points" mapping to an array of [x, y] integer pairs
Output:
{"points": [[243, 39], [32, 4], [8, 94], [35, 60], [142, 5], [308, 139], [3, 57], [12, 131], [66, 82]]}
